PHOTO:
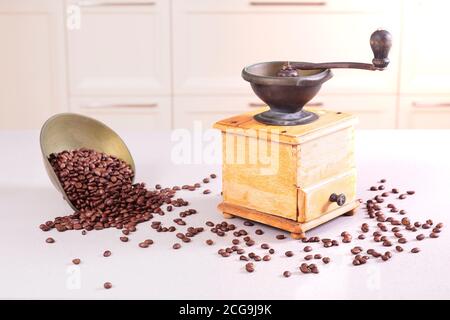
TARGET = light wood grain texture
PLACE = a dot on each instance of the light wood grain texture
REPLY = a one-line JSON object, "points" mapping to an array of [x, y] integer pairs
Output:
{"points": [[296, 229], [328, 122], [264, 184], [314, 201]]}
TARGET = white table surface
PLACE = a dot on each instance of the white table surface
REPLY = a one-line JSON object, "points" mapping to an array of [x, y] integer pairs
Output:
{"points": [[30, 268]]}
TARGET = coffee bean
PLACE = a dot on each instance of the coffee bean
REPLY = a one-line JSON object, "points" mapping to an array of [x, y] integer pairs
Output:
{"points": [[264, 246], [307, 249], [308, 257], [206, 191], [205, 180], [176, 246], [399, 248], [235, 241], [124, 239], [382, 180], [410, 192], [440, 225], [248, 223], [286, 274], [107, 285], [281, 237], [83, 232], [50, 240], [394, 190], [267, 257], [76, 261], [434, 235], [213, 176], [288, 253], [107, 253], [415, 250], [373, 188], [361, 237], [402, 240], [326, 260], [317, 256], [402, 212], [402, 196], [420, 237], [209, 223], [259, 232], [381, 187], [426, 226], [271, 251], [143, 245], [243, 258], [250, 267], [356, 250]]}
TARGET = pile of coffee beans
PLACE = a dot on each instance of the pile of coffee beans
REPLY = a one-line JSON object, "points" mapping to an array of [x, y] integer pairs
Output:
{"points": [[101, 189]]}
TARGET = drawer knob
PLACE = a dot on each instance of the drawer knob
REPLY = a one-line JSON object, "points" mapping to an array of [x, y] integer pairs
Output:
{"points": [[339, 199]]}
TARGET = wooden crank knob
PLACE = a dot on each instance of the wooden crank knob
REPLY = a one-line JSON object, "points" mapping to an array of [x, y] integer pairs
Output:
{"points": [[381, 42]]}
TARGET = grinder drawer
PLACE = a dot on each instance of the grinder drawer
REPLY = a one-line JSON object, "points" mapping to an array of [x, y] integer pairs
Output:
{"points": [[314, 201]]}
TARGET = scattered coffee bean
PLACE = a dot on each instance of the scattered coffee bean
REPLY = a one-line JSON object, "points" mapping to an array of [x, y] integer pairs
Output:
{"points": [[434, 235], [206, 191], [286, 274], [281, 237], [213, 176], [176, 246], [107, 253], [124, 239], [250, 267], [50, 240], [307, 249], [415, 250], [326, 260], [420, 237], [259, 232], [289, 253], [399, 248], [76, 261], [107, 285]]}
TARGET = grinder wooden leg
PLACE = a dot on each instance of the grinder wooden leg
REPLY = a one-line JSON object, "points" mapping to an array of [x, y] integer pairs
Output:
{"points": [[298, 236], [351, 212], [227, 215]]}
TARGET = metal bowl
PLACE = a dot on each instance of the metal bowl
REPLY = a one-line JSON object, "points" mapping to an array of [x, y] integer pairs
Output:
{"points": [[286, 96], [69, 131]]}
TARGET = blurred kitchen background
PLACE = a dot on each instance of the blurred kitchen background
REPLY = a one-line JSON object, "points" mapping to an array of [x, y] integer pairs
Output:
{"points": [[163, 64]]}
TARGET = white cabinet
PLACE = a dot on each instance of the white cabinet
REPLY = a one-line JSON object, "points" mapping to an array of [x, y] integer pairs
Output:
{"points": [[125, 113], [373, 111], [120, 48], [426, 49], [191, 111], [214, 40], [32, 78], [425, 112]]}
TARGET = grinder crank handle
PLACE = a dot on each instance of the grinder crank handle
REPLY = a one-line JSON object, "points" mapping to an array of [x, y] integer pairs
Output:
{"points": [[380, 42]]}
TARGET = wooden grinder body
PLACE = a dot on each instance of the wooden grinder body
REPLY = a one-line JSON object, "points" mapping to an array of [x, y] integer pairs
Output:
{"points": [[284, 176]]}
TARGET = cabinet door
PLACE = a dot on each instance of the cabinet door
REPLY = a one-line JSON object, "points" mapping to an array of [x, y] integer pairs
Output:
{"points": [[426, 49], [32, 63], [127, 114], [120, 48], [425, 112], [373, 111], [205, 111], [214, 40]]}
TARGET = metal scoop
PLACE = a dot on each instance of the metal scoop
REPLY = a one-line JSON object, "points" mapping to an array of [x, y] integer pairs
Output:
{"points": [[69, 131]]}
